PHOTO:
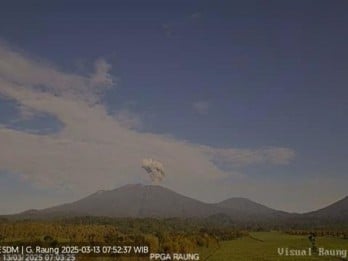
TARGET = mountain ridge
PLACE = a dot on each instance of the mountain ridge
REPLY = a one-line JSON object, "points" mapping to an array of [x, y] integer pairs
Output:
{"points": [[141, 201], [137, 200], [336, 210]]}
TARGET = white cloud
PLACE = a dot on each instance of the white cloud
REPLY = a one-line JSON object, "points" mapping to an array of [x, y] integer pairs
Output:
{"points": [[243, 157], [42, 77], [128, 119], [201, 107], [101, 76], [96, 150]]}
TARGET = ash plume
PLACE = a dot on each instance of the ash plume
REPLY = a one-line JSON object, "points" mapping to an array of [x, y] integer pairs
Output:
{"points": [[154, 168]]}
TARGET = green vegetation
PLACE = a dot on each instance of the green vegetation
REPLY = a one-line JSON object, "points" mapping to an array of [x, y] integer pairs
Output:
{"points": [[261, 246], [161, 235], [213, 240]]}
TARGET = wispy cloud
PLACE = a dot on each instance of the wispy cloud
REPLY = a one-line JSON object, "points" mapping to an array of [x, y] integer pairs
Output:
{"points": [[128, 119], [97, 150], [201, 107], [42, 77], [196, 15], [245, 157], [174, 28], [101, 77]]}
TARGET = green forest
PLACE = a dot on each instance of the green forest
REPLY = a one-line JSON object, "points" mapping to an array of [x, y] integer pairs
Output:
{"points": [[205, 236]]}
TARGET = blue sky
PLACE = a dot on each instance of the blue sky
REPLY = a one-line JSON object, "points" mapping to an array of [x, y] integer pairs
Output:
{"points": [[246, 75]]}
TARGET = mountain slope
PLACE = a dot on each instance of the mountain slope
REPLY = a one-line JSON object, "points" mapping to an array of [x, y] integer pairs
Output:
{"points": [[337, 210], [152, 201], [134, 201], [247, 207], [139, 201]]}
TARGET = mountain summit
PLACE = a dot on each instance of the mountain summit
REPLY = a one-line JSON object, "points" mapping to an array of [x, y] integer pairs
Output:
{"points": [[140, 201], [137, 201]]}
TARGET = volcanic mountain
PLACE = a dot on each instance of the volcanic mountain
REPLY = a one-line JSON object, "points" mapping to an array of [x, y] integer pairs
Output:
{"points": [[139, 201], [152, 201]]}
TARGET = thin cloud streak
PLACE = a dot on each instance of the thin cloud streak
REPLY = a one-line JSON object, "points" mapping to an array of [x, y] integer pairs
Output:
{"points": [[201, 107]]}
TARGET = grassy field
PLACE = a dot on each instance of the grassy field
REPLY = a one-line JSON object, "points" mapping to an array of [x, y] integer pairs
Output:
{"points": [[263, 246], [173, 236], [258, 246]]}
